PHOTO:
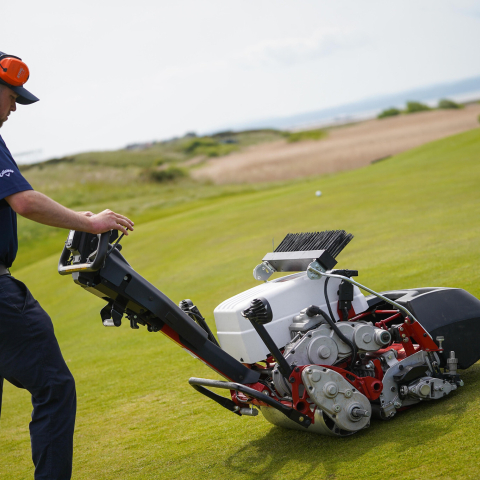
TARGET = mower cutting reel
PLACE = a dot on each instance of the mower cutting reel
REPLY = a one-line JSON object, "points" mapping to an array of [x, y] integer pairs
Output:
{"points": [[308, 349]]}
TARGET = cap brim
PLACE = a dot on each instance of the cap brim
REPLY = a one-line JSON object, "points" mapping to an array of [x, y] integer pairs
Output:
{"points": [[24, 96]]}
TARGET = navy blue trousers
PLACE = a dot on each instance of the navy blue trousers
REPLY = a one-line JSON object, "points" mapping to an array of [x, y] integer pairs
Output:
{"points": [[30, 358]]}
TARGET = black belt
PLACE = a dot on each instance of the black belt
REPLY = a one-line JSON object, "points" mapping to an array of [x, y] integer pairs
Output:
{"points": [[4, 270]]}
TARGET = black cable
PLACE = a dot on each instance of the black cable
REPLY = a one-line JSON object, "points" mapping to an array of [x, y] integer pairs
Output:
{"points": [[203, 324], [325, 292]]}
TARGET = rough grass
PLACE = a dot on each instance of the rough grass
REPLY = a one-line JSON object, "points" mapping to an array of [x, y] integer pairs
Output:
{"points": [[415, 221], [316, 134]]}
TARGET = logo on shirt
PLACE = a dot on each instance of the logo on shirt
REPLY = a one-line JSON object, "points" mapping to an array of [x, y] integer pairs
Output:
{"points": [[6, 173]]}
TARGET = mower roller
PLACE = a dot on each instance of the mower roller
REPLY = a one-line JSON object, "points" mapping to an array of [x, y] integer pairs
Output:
{"points": [[308, 349]]}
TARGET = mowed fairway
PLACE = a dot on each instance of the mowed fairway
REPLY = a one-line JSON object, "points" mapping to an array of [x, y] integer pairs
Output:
{"points": [[415, 218]]}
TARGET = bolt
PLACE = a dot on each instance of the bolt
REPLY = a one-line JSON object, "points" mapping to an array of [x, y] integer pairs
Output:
{"points": [[397, 404], [401, 329], [337, 408], [392, 389], [405, 340], [125, 277], [330, 389], [348, 393], [292, 380], [309, 371], [301, 419]]}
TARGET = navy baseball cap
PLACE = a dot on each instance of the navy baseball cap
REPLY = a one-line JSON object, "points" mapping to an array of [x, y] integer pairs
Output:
{"points": [[14, 65]]}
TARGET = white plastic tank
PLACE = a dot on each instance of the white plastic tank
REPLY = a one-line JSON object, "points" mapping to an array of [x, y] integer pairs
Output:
{"points": [[287, 296]]}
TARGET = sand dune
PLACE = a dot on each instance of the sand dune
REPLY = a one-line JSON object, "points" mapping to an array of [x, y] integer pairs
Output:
{"points": [[345, 148]]}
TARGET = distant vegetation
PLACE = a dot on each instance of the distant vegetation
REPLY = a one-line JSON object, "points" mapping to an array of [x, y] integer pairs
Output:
{"points": [[164, 175], [445, 103], [317, 134], [210, 147], [157, 162], [390, 112], [414, 107]]}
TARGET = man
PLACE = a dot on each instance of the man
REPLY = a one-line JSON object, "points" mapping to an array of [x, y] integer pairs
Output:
{"points": [[29, 353]]}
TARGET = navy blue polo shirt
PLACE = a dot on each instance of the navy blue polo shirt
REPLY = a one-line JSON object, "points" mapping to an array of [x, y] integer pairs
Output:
{"points": [[11, 181]]}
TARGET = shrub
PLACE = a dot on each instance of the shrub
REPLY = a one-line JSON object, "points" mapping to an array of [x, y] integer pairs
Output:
{"points": [[208, 146], [445, 103], [165, 175], [389, 112], [317, 134], [414, 107]]}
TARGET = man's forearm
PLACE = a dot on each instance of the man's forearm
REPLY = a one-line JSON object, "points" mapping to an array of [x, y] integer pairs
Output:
{"points": [[38, 207]]}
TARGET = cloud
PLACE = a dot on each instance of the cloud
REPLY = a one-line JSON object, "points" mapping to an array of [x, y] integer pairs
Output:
{"points": [[291, 51], [282, 52]]}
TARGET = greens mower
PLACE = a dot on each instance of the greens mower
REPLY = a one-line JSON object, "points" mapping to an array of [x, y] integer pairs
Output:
{"points": [[308, 349]]}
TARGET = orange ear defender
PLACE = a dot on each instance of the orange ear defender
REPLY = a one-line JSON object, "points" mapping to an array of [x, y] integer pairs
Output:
{"points": [[13, 71]]}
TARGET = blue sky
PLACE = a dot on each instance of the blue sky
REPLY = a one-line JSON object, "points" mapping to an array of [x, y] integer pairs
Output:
{"points": [[109, 73]]}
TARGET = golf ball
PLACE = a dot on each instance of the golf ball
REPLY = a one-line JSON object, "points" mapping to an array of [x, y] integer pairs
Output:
{"points": [[318, 193]]}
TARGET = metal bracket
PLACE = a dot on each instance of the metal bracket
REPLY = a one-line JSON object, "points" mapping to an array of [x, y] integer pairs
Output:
{"points": [[263, 271]]}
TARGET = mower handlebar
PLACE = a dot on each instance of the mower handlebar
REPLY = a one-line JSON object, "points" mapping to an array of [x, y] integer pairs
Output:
{"points": [[94, 265]]}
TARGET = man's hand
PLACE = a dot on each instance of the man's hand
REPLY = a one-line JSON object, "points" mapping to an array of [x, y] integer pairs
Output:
{"points": [[42, 209], [108, 220]]}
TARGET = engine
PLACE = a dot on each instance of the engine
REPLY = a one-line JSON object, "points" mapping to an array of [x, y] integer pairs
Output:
{"points": [[321, 345]]}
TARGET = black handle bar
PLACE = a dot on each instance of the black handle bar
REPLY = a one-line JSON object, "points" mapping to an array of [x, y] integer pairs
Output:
{"points": [[102, 250]]}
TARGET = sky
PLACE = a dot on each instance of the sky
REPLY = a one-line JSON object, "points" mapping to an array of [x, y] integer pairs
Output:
{"points": [[111, 73]]}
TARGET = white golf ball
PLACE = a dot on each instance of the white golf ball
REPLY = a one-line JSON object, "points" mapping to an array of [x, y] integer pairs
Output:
{"points": [[318, 193]]}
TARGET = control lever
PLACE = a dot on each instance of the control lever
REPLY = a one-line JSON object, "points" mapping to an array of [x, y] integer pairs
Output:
{"points": [[260, 313]]}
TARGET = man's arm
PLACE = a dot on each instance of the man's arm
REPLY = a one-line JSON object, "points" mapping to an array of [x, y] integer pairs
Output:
{"points": [[38, 207]]}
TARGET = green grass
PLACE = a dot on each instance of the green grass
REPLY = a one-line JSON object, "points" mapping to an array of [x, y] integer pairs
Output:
{"points": [[415, 220]]}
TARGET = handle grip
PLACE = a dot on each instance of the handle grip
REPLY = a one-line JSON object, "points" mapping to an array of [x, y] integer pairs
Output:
{"points": [[102, 250]]}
